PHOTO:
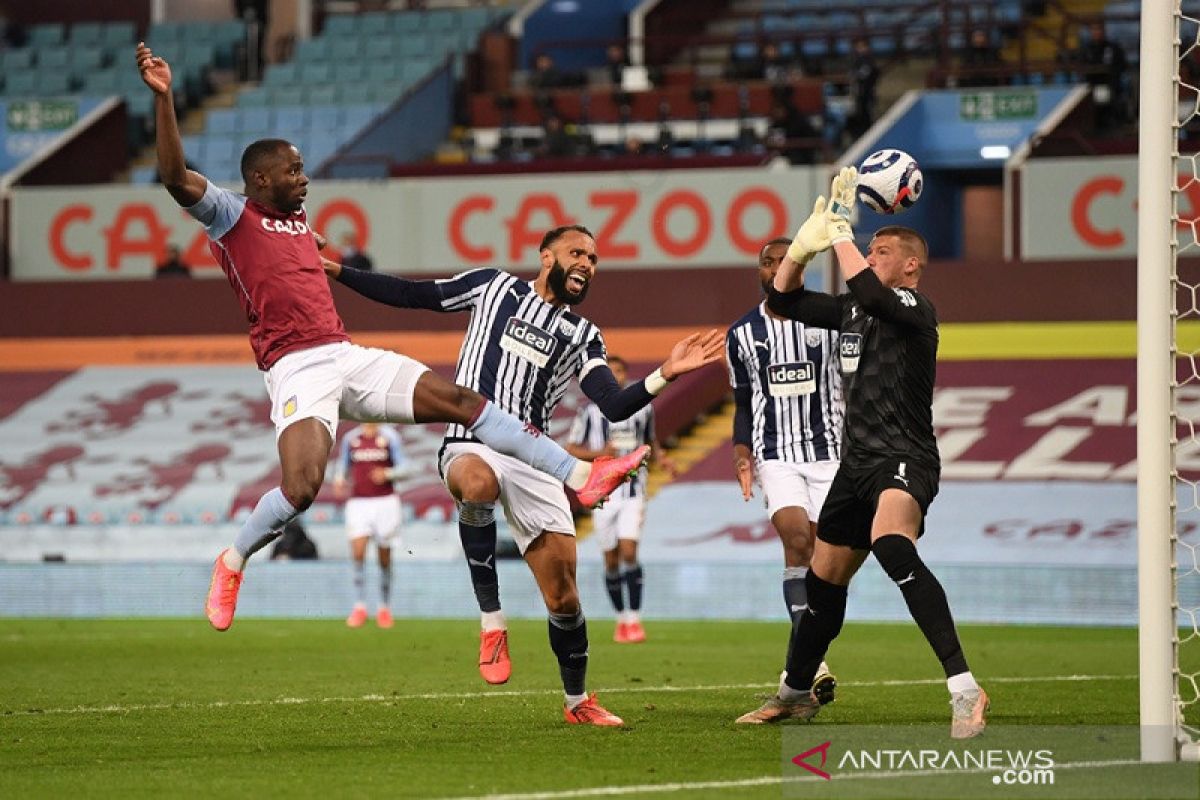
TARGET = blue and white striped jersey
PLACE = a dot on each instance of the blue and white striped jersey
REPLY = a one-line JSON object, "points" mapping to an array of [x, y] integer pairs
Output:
{"points": [[520, 352], [593, 430], [793, 373]]}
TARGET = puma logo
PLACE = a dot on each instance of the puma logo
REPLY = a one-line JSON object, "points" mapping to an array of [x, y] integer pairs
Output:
{"points": [[902, 581], [795, 609], [486, 563]]}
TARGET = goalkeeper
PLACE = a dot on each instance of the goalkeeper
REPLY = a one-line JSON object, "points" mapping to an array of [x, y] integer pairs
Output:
{"points": [[890, 464]]}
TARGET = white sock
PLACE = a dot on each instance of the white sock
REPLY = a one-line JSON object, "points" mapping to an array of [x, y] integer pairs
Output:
{"points": [[789, 695], [573, 700], [492, 621], [962, 683], [233, 560], [579, 474]]}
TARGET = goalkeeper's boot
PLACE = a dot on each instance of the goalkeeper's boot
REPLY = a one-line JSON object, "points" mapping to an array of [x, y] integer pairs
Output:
{"points": [[824, 685], [776, 710], [968, 713], [609, 472], [358, 616], [590, 712], [494, 665], [222, 594]]}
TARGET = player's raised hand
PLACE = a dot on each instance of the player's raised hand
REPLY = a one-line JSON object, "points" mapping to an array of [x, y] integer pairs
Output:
{"points": [[156, 72], [693, 352], [843, 192], [812, 237]]}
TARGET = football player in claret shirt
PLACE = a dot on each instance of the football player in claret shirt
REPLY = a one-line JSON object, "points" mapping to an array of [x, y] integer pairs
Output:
{"points": [[370, 459], [890, 463], [262, 240], [524, 346]]}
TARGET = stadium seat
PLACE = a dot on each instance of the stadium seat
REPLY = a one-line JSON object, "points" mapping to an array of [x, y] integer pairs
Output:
{"points": [[326, 118], [287, 95], [222, 120], [17, 60], [356, 117], [54, 58], [86, 33], [118, 35], [440, 20], [316, 74], [340, 25], [289, 120], [222, 147], [254, 97], [413, 47], [102, 83], [282, 74], [254, 122], [349, 73], [47, 35], [85, 61], [54, 83], [356, 94], [379, 47], [322, 95], [312, 50], [406, 22], [345, 49], [20, 84], [383, 71], [375, 22]]}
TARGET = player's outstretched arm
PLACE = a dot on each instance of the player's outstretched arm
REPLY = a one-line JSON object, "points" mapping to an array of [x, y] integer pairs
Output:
{"points": [[391, 290], [185, 185], [692, 353]]}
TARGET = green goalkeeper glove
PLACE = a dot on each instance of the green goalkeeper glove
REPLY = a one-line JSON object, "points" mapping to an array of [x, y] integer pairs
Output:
{"points": [[812, 238]]}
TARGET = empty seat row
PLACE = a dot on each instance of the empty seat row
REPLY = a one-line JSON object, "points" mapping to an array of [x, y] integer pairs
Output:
{"points": [[251, 123], [379, 22], [338, 50], [353, 94], [292, 73], [108, 34]]}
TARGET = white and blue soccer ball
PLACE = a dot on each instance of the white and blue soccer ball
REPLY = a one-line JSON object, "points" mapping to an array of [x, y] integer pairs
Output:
{"points": [[889, 181]]}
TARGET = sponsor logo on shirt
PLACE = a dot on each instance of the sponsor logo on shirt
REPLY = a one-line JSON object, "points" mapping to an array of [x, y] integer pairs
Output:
{"points": [[369, 454], [907, 298], [528, 341], [292, 227], [850, 349], [791, 379]]}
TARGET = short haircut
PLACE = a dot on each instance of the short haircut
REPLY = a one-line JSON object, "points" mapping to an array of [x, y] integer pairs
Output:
{"points": [[256, 153], [555, 234], [615, 359], [775, 241], [914, 241]]}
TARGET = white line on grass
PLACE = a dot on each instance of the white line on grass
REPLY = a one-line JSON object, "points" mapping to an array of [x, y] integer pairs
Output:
{"points": [[389, 698], [769, 780]]}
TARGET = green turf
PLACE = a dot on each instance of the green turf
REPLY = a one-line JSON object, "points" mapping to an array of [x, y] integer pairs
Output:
{"points": [[155, 708]]}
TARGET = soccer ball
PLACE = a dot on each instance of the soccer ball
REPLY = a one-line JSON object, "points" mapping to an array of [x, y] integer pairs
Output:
{"points": [[889, 182]]}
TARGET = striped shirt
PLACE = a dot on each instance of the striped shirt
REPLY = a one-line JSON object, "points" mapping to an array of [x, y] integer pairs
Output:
{"points": [[594, 431], [792, 371], [520, 352]]}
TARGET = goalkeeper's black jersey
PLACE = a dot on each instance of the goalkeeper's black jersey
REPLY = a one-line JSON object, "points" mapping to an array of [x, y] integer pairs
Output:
{"points": [[888, 344]]}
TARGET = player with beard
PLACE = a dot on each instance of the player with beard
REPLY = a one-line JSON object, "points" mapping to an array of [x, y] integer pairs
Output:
{"points": [[314, 375], [524, 345]]}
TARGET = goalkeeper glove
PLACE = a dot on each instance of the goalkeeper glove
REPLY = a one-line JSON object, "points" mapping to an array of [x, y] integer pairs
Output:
{"points": [[812, 237], [842, 192], [837, 229]]}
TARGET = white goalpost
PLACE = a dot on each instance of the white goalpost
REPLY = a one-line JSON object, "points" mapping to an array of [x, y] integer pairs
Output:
{"points": [[1168, 684]]}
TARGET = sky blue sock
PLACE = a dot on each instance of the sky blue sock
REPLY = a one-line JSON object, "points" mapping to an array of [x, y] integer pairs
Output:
{"points": [[263, 526], [506, 434]]}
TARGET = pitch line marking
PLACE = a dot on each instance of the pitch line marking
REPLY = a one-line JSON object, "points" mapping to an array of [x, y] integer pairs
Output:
{"points": [[769, 780], [387, 698]]}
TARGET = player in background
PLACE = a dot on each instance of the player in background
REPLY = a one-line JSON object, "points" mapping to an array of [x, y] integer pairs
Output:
{"points": [[787, 428], [890, 463], [617, 525], [524, 346], [314, 375], [370, 459]]}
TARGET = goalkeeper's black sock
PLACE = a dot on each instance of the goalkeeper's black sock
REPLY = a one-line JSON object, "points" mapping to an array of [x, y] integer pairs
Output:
{"points": [[795, 595], [814, 630], [925, 598]]}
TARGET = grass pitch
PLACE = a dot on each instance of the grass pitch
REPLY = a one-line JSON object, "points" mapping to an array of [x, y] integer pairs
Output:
{"points": [[170, 708]]}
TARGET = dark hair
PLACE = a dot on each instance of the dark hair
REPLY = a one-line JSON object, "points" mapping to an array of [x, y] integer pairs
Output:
{"points": [[915, 241], [555, 234], [615, 359], [775, 241], [257, 152]]}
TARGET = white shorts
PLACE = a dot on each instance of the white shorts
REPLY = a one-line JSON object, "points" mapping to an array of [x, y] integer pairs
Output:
{"points": [[787, 484], [533, 501], [619, 518], [341, 380], [377, 517]]}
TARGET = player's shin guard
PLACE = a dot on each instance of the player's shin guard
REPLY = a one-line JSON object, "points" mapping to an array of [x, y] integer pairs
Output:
{"points": [[265, 523], [795, 595], [477, 531], [506, 434], [632, 576], [569, 641], [925, 598], [615, 585], [814, 630], [360, 582]]}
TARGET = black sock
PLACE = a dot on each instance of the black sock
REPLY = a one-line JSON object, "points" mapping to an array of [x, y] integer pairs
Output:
{"points": [[613, 583], [925, 598], [795, 595], [568, 640], [814, 630], [633, 582], [477, 531]]}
